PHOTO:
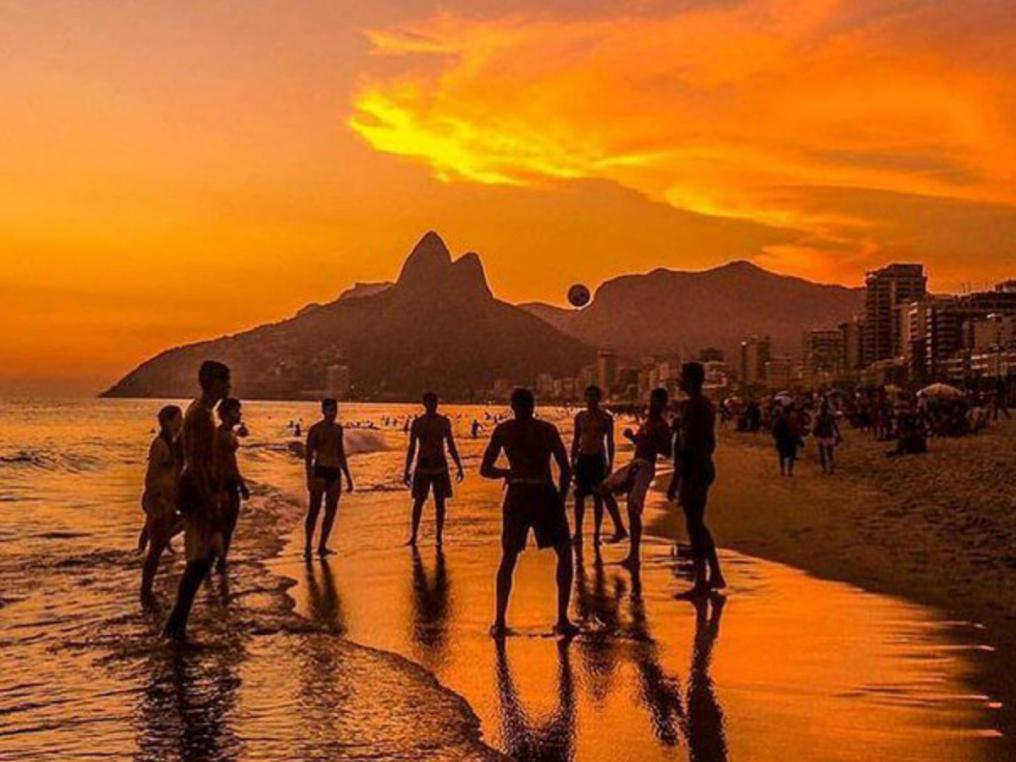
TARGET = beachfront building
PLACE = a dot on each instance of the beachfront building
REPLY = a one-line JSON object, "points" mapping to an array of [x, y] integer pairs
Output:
{"points": [[949, 320], [779, 373], [886, 289], [822, 355], [606, 370], [852, 343], [755, 354]]}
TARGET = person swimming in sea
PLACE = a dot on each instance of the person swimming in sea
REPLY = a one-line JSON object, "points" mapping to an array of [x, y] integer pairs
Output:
{"points": [[162, 481], [325, 459]]}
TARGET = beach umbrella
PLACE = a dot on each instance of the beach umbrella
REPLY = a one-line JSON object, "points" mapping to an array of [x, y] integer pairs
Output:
{"points": [[784, 399], [942, 392]]}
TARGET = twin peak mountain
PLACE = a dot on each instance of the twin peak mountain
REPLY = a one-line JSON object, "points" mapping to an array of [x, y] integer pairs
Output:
{"points": [[439, 327]]}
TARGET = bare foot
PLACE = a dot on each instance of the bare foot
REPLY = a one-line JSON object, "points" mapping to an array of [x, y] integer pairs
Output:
{"points": [[325, 552], [411, 542], [499, 630], [307, 553], [618, 537], [693, 593], [717, 582], [631, 564]]}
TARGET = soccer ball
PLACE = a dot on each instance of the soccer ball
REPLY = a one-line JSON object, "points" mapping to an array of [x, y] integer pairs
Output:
{"points": [[578, 295]]}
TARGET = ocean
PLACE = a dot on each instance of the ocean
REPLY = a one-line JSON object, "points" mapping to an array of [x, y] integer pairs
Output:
{"points": [[382, 652]]}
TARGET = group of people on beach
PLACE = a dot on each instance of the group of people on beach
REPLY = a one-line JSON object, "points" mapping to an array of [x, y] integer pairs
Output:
{"points": [[193, 483]]}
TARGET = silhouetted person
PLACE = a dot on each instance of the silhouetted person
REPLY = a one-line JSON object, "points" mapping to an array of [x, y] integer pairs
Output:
{"points": [[475, 429], [427, 439], [232, 485], [651, 439], [694, 473], [827, 437], [787, 438], [199, 493], [325, 458], [531, 501], [162, 481], [593, 459]]}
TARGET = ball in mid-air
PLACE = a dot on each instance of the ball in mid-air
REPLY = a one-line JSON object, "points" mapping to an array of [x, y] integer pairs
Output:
{"points": [[578, 295]]}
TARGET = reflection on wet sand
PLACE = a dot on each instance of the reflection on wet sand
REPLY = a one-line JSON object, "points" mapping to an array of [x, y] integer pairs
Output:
{"points": [[431, 601], [551, 737], [704, 726]]}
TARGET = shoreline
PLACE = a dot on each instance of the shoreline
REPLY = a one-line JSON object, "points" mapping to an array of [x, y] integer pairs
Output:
{"points": [[931, 529]]}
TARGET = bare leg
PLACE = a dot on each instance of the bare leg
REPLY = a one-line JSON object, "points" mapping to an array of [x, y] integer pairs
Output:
{"points": [[190, 582], [615, 514], [331, 508], [156, 545], [597, 518], [504, 590], [565, 574], [439, 517], [232, 516], [580, 512], [634, 559], [414, 528], [311, 522]]}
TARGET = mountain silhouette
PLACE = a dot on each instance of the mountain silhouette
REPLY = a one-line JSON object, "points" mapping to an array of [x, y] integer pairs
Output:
{"points": [[665, 311], [437, 327]]}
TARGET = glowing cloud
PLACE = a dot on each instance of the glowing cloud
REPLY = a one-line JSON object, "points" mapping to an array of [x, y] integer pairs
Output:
{"points": [[734, 110]]}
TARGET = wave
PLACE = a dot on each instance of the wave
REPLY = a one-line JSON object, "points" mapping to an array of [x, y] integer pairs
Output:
{"points": [[357, 441]]}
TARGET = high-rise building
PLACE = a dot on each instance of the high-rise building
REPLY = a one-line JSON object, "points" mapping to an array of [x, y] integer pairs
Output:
{"points": [[779, 372], [886, 290], [852, 341], [606, 370], [755, 353], [822, 354], [946, 317]]}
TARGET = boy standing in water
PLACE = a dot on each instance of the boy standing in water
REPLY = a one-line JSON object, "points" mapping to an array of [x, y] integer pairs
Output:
{"points": [[593, 459], [325, 458], [428, 434], [198, 498], [532, 501], [652, 439], [165, 459], [232, 486], [694, 473]]}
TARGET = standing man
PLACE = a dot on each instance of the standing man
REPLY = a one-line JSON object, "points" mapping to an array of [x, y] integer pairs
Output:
{"points": [[427, 437], [694, 472], [532, 501], [325, 459], [652, 439], [199, 493], [593, 459]]}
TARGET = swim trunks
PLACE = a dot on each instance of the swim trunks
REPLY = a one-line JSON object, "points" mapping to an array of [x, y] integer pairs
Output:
{"points": [[536, 506], [590, 471]]}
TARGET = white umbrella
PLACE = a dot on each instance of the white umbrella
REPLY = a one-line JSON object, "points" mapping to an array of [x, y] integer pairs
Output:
{"points": [[942, 392]]}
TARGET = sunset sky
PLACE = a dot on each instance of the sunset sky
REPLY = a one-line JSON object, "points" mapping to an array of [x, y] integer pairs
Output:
{"points": [[172, 170]]}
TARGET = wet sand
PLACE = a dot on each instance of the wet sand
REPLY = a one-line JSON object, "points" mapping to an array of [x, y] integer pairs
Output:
{"points": [[938, 528], [789, 667]]}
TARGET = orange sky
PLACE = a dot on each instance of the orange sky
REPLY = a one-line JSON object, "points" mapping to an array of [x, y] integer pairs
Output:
{"points": [[175, 170]]}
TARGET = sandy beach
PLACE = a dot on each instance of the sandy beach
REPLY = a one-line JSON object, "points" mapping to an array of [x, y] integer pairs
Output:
{"points": [[938, 528]]}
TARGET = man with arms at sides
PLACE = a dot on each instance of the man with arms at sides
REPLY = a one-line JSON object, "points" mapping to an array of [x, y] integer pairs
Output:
{"points": [[325, 457], [427, 437], [694, 472], [532, 501], [199, 493], [593, 459], [652, 439]]}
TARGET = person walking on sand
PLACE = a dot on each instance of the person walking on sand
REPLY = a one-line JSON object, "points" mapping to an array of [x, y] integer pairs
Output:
{"points": [[652, 439], [592, 460], [232, 486], [198, 497], [325, 459], [827, 436], [694, 473], [428, 436], [531, 501], [786, 438], [162, 479]]}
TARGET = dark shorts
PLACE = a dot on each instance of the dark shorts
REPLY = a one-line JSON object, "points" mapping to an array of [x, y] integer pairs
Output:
{"points": [[440, 483], [590, 471], [695, 484], [533, 506], [330, 475]]}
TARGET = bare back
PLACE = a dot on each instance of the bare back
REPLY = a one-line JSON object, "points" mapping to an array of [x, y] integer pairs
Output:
{"points": [[529, 444]]}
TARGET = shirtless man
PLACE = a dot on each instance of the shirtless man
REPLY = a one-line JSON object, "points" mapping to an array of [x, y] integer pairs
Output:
{"points": [[592, 455], [198, 498], [232, 486], [325, 458], [652, 439], [162, 481], [532, 501], [694, 473], [427, 437]]}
